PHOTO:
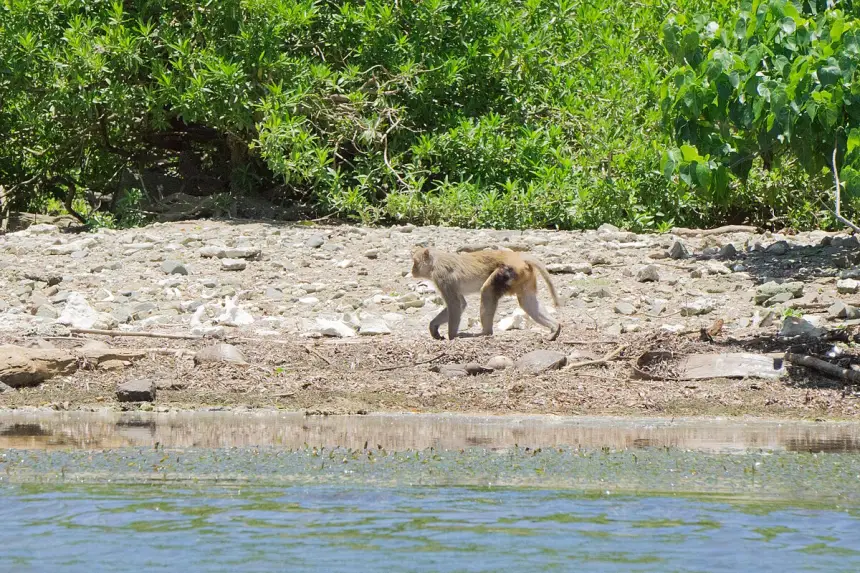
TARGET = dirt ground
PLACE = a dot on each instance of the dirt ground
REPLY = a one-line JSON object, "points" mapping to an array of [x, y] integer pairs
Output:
{"points": [[395, 373]]}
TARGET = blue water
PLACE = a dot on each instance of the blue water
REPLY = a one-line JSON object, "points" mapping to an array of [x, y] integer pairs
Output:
{"points": [[175, 527]]}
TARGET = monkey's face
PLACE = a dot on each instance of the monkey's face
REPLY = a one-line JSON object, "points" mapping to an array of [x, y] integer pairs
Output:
{"points": [[421, 264]]}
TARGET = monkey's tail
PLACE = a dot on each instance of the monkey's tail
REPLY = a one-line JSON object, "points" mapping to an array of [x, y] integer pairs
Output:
{"points": [[545, 274]]}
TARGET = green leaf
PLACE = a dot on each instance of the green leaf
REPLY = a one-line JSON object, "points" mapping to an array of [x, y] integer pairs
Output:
{"points": [[667, 165], [829, 75], [853, 140], [788, 25], [703, 175], [689, 153]]}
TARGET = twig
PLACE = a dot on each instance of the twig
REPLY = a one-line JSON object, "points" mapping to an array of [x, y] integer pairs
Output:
{"points": [[611, 356], [318, 355], [130, 333], [838, 212], [398, 366], [586, 342], [825, 367]]}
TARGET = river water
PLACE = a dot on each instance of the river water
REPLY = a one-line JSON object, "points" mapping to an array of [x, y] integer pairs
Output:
{"points": [[275, 492]]}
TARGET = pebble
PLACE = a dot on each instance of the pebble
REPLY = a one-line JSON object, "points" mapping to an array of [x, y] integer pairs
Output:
{"points": [[770, 289], [625, 308], [141, 390], [174, 268], [569, 268], [679, 251], [233, 264], [840, 309], [778, 248], [499, 363], [315, 242], [648, 273], [538, 361], [222, 352]]}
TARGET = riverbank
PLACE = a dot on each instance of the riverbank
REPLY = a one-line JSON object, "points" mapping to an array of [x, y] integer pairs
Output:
{"points": [[328, 320]]}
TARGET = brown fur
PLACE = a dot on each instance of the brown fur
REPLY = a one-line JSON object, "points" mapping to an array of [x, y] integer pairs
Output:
{"points": [[492, 273]]}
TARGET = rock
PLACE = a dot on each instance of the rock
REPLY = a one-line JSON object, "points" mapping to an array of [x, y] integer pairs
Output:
{"points": [[234, 315], [778, 248], [170, 385], [47, 311], [69, 248], [648, 274], [847, 286], [220, 353], [794, 326], [781, 298], [473, 369], [499, 363], [679, 250], [450, 370], [517, 321], [20, 366], [113, 365], [335, 328], [242, 253], [625, 308], [717, 268], [211, 252], [840, 309], [598, 259], [233, 264], [44, 277], [174, 268], [273, 293], [697, 307], [538, 361], [136, 391], [770, 289], [607, 228], [371, 253], [5, 388], [569, 268], [763, 321], [78, 313], [602, 292], [315, 242], [372, 326], [728, 252]]}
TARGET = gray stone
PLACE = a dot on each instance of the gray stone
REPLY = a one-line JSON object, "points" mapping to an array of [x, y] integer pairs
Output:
{"points": [[602, 292], [44, 277], [770, 289], [473, 369], [47, 311], [607, 228], [697, 307], [136, 391], [569, 268], [679, 250], [450, 370], [371, 253], [538, 361], [315, 242], [499, 363], [273, 293], [625, 308], [233, 264], [242, 253], [847, 286], [794, 326], [373, 326], [846, 242], [648, 274], [778, 248], [710, 251], [219, 353], [4, 388], [781, 298], [212, 251], [840, 309], [728, 252], [174, 268]]}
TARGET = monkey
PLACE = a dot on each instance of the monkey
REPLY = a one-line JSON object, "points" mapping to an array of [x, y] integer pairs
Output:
{"points": [[492, 273]]}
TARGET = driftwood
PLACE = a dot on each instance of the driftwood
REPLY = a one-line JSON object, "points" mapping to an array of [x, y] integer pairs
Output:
{"points": [[716, 231], [824, 367], [599, 361], [134, 333]]}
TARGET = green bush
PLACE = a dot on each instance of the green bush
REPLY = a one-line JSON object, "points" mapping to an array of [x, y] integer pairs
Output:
{"points": [[494, 113]]}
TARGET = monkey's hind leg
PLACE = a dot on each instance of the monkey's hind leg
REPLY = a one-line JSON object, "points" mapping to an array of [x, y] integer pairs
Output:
{"points": [[496, 285], [529, 302], [438, 321], [444, 317]]}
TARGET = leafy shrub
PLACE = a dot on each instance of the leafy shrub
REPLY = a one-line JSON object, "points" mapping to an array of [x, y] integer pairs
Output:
{"points": [[496, 113]]}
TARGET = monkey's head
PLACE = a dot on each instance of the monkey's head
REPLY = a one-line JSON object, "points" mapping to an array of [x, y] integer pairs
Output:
{"points": [[422, 263]]}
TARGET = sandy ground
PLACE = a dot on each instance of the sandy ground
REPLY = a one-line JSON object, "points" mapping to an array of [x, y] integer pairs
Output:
{"points": [[364, 272]]}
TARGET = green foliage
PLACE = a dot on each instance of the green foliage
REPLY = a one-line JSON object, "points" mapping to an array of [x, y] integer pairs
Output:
{"points": [[773, 84], [498, 113]]}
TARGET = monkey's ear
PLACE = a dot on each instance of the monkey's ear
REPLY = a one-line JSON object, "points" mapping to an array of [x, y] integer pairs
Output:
{"points": [[425, 256]]}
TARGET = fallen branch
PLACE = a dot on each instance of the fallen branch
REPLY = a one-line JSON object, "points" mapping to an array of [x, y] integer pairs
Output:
{"points": [[825, 367], [398, 366], [318, 355], [134, 333], [716, 231], [600, 361]]}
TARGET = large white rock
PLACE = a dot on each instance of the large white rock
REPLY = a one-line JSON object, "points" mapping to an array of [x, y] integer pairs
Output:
{"points": [[78, 313], [233, 314]]}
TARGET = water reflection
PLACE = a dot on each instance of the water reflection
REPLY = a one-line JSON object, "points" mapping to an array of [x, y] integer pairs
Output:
{"points": [[33, 430]]}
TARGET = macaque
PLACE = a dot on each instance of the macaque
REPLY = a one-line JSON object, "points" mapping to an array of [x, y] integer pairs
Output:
{"points": [[492, 273]]}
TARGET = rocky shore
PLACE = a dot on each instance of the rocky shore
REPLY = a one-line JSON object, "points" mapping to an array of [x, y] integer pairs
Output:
{"points": [[327, 319]]}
